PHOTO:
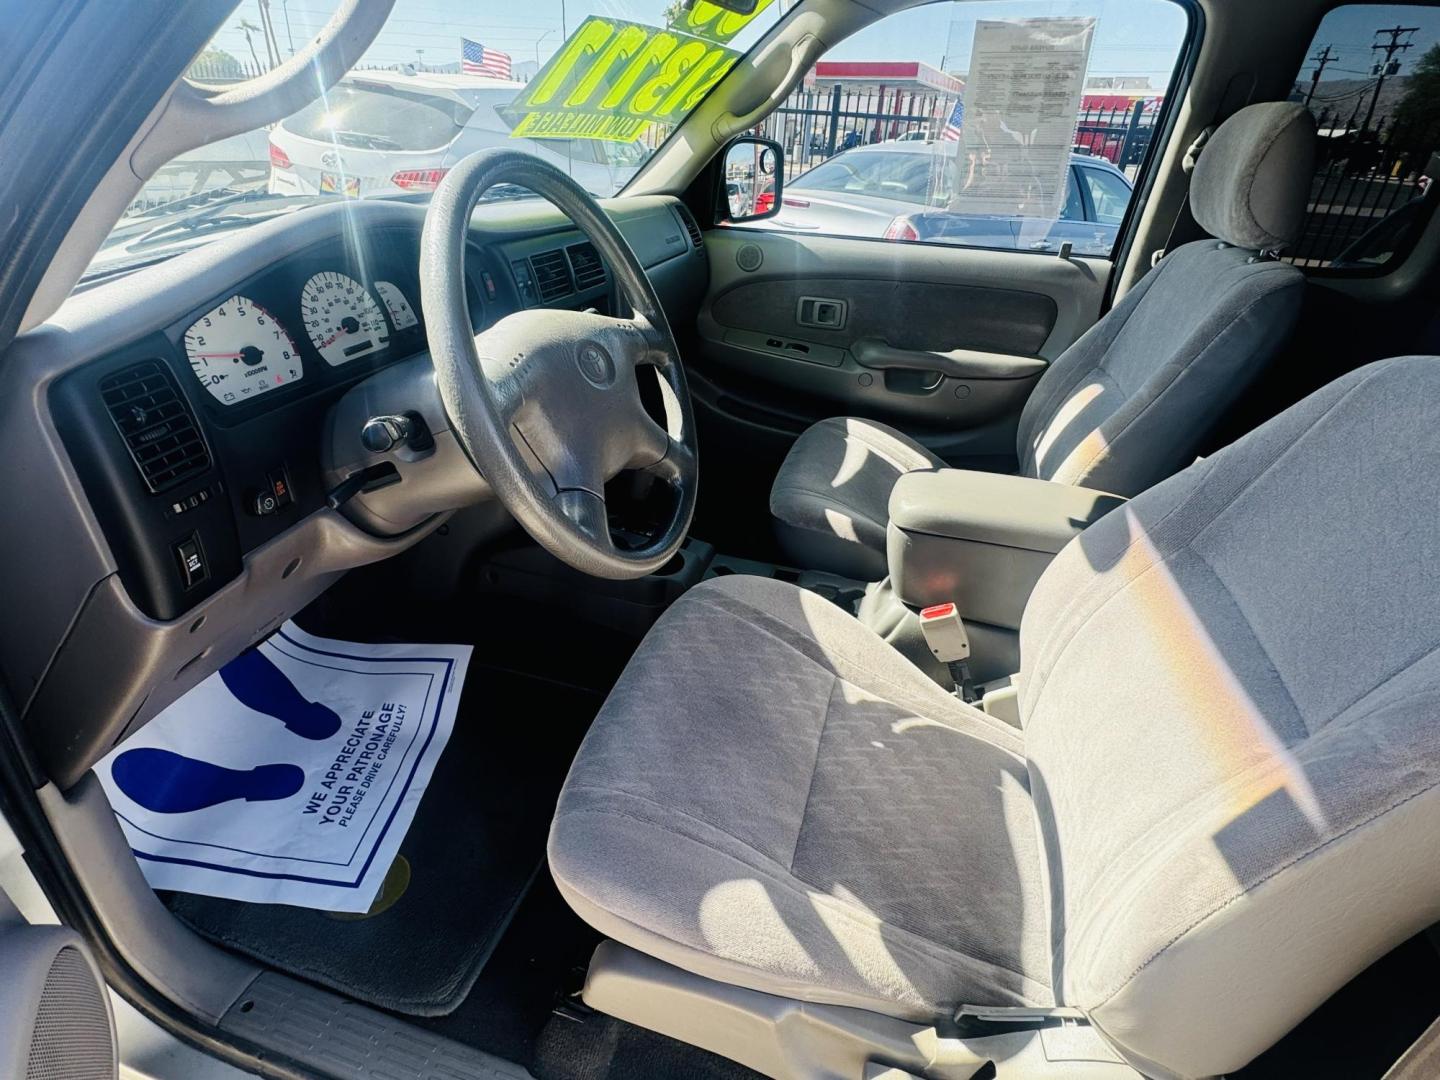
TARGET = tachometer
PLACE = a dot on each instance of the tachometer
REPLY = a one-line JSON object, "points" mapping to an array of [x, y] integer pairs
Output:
{"points": [[238, 351], [342, 318]]}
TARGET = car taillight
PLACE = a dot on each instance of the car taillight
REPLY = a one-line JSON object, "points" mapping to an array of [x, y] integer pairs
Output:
{"points": [[418, 179], [278, 158], [900, 229], [798, 204]]}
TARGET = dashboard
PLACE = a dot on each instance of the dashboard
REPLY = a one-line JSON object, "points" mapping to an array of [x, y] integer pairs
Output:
{"points": [[180, 434]]}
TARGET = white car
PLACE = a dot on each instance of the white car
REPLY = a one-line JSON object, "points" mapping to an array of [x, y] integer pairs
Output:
{"points": [[389, 132]]}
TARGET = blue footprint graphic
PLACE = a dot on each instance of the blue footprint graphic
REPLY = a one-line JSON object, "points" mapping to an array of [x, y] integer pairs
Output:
{"points": [[259, 684], [169, 783]]}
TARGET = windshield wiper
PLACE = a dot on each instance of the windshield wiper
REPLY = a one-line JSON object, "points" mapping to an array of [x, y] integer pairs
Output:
{"points": [[508, 193], [192, 206], [208, 197], [363, 140], [190, 226], [218, 216], [177, 231]]}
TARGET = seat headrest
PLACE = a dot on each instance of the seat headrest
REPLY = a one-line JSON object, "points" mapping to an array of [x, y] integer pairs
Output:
{"points": [[1252, 179]]}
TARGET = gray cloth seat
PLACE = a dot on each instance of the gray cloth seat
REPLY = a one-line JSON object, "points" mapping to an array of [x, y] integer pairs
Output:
{"points": [[1132, 400], [1223, 801]]}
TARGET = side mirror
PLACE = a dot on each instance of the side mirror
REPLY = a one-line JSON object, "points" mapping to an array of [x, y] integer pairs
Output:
{"points": [[752, 180]]}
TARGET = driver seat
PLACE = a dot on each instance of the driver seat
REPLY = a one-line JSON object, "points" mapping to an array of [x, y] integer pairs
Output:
{"points": [[1221, 804]]}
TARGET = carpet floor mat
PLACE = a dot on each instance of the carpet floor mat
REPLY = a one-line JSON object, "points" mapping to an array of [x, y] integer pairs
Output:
{"points": [[477, 842], [592, 1046]]}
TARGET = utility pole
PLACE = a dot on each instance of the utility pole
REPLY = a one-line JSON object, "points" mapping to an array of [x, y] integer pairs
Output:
{"points": [[1322, 60], [1389, 66], [285, 6], [272, 43]]}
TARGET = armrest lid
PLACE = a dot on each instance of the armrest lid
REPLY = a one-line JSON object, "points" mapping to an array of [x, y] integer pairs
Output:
{"points": [[991, 508]]}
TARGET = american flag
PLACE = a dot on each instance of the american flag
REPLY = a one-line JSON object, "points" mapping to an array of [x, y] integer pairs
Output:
{"points": [[476, 59], [951, 131]]}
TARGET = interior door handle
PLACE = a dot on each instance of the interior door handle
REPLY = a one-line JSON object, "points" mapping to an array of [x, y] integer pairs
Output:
{"points": [[957, 363]]}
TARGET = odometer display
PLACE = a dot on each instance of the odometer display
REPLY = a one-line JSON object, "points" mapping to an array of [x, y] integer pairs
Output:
{"points": [[342, 318], [238, 351]]}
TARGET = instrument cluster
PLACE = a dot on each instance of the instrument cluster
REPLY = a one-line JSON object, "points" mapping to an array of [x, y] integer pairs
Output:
{"points": [[308, 317]]}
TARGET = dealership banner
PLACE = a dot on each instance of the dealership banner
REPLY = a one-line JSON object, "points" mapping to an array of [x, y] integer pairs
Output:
{"points": [[612, 78]]}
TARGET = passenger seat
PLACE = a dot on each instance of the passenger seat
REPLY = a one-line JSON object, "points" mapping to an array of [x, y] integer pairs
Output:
{"points": [[1131, 401]]}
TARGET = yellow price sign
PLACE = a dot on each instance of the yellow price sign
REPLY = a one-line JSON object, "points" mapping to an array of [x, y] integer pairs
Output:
{"points": [[713, 22], [612, 77]]}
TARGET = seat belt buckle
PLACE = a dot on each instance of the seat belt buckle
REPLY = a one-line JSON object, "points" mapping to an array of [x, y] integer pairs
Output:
{"points": [[947, 640]]}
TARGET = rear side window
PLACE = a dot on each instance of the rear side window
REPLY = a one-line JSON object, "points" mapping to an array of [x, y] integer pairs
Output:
{"points": [[1372, 80], [379, 118], [969, 123]]}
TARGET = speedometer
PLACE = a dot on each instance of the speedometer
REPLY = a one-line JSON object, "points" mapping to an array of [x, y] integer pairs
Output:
{"points": [[342, 318], [238, 351]]}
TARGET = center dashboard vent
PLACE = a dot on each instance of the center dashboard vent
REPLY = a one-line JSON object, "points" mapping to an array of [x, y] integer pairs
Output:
{"points": [[156, 423], [552, 275], [697, 238], [585, 262]]}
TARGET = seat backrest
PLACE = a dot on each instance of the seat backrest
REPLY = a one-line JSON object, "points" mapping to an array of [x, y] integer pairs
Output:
{"points": [[1231, 710], [1133, 399]]}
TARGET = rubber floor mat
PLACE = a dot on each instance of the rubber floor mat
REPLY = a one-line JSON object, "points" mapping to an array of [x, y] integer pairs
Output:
{"points": [[476, 844]]}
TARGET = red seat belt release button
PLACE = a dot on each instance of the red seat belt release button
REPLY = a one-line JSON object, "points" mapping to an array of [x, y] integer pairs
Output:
{"points": [[945, 633]]}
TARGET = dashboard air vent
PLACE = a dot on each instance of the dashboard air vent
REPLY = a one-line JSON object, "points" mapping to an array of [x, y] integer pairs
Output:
{"points": [[697, 238], [589, 270], [552, 275], [156, 423]]}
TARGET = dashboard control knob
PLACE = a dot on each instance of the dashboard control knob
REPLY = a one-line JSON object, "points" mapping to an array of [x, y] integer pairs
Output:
{"points": [[264, 503]]}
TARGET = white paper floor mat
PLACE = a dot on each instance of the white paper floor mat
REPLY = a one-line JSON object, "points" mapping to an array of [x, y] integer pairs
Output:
{"points": [[290, 776]]}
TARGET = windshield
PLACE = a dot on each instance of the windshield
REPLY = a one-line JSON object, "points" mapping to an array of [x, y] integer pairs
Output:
{"points": [[591, 87]]}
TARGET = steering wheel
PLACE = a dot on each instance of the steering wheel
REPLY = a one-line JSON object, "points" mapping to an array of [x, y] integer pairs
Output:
{"points": [[546, 402]]}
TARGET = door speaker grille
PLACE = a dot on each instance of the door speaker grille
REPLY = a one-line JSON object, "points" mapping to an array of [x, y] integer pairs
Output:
{"points": [[72, 1037]]}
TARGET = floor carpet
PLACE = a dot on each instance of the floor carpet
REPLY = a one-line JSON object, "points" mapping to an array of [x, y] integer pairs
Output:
{"points": [[599, 1047], [475, 846]]}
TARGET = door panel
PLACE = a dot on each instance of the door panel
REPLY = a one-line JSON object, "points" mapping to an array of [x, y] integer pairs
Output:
{"points": [[992, 320], [944, 343]]}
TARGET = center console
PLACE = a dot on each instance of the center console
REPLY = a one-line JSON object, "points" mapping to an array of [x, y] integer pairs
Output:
{"points": [[980, 541]]}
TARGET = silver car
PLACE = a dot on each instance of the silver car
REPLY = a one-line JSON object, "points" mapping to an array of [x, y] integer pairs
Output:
{"points": [[392, 132], [898, 190]]}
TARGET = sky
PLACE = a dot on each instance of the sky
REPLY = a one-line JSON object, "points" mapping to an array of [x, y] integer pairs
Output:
{"points": [[1133, 37], [1350, 31]]}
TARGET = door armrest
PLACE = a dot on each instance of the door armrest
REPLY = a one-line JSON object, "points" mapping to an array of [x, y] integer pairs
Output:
{"points": [[957, 363]]}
